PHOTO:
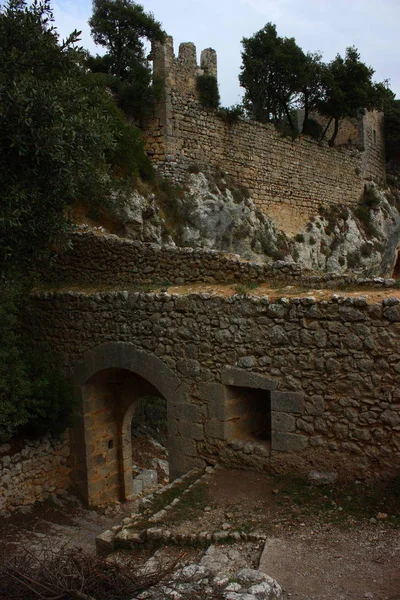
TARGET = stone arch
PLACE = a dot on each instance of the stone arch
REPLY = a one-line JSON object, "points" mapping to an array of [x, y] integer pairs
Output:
{"points": [[132, 369]]}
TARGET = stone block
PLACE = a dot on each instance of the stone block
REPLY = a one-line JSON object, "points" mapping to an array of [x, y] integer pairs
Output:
{"points": [[288, 442], [281, 421], [289, 402], [188, 447], [105, 543], [187, 412], [148, 477], [240, 377], [191, 430], [137, 486], [215, 396], [214, 429]]}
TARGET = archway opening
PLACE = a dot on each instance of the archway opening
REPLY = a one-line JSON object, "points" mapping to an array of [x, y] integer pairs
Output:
{"points": [[149, 432], [114, 400]]}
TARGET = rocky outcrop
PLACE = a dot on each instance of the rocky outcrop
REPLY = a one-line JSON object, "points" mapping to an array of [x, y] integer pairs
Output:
{"points": [[360, 240], [212, 211]]}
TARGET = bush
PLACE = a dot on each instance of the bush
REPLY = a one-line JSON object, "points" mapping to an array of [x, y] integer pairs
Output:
{"points": [[232, 114], [299, 237], [353, 260], [207, 87], [35, 397], [364, 216], [370, 197]]}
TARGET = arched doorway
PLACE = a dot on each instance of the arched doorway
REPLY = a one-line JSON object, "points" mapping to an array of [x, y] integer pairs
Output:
{"points": [[112, 397], [111, 381]]}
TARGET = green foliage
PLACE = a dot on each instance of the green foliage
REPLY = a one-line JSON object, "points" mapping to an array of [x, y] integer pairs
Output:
{"points": [[34, 396], [313, 128], [392, 130], [278, 76], [299, 237], [120, 26], [348, 89], [57, 131], [207, 87], [366, 249], [63, 141], [353, 259], [371, 197], [231, 114]]}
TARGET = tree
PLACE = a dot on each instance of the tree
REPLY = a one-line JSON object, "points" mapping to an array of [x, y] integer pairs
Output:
{"points": [[121, 26], [55, 135], [348, 89], [274, 73], [392, 130], [63, 141]]}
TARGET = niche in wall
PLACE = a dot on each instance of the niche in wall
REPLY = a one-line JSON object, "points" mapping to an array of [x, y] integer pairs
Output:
{"points": [[248, 414]]}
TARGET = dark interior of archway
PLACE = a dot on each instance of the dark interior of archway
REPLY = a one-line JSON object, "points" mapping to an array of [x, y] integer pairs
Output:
{"points": [[396, 270], [149, 437]]}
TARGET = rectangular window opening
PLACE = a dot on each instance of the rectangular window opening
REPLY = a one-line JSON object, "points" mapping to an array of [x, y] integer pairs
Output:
{"points": [[248, 412]]}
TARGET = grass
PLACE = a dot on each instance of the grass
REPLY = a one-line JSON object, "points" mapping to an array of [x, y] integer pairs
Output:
{"points": [[343, 503], [244, 288], [190, 506]]}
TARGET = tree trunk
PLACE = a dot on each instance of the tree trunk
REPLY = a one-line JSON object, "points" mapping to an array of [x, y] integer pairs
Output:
{"points": [[326, 128], [335, 132]]}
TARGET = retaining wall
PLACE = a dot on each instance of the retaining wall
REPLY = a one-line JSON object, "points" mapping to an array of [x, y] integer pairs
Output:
{"points": [[327, 371], [37, 471]]}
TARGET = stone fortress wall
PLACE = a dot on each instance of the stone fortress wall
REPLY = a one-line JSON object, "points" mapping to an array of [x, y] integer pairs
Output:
{"points": [[287, 179]]}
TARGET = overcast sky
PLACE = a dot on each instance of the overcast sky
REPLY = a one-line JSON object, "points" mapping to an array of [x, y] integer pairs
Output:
{"points": [[328, 26]]}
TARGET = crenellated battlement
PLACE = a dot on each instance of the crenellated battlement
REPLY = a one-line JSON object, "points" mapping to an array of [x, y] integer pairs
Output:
{"points": [[179, 72]]}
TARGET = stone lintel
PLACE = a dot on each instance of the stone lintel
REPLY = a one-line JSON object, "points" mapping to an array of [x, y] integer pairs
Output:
{"points": [[243, 378]]}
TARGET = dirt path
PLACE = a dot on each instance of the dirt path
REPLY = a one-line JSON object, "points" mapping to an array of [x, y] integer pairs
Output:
{"points": [[338, 542]]}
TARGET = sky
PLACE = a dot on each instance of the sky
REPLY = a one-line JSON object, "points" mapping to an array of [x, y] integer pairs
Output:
{"points": [[327, 26]]}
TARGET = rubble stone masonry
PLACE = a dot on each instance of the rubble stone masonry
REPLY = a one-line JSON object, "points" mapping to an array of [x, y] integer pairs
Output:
{"points": [[324, 375], [37, 471]]}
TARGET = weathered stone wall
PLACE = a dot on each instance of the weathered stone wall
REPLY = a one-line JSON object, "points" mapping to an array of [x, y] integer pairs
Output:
{"points": [[37, 471], [328, 372], [97, 259], [287, 179]]}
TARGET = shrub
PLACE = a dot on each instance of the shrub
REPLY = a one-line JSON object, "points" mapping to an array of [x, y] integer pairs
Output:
{"points": [[232, 114], [366, 249], [364, 216], [312, 241], [353, 259], [286, 130], [193, 168], [299, 237], [207, 87], [370, 197], [35, 397]]}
